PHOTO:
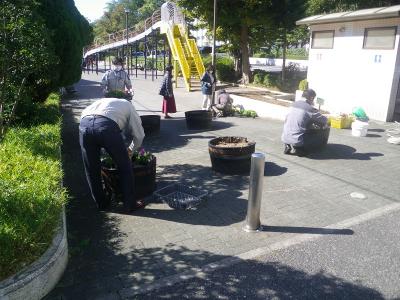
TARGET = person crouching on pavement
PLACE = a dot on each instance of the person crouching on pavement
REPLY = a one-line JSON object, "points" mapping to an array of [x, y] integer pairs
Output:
{"points": [[223, 105], [117, 79], [104, 124], [302, 116]]}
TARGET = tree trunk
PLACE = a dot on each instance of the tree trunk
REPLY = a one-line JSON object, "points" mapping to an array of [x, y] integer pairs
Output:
{"points": [[244, 46], [284, 46]]}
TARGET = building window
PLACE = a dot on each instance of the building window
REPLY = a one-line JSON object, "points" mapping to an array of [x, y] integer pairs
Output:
{"points": [[380, 38], [322, 39]]}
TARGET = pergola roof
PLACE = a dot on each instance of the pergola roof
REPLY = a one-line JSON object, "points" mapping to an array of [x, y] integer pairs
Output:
{"points": [[363, 14]]}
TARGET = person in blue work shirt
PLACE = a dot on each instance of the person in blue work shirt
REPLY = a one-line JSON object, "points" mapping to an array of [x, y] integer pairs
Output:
{"points": [[301, 117], [112, 124]]}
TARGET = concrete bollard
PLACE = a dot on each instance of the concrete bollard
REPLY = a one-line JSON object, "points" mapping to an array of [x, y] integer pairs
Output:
{"points": [[253, 223]]}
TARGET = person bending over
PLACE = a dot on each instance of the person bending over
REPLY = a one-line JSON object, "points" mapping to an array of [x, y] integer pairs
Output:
{"points": [[105, 124], [301, 117]]}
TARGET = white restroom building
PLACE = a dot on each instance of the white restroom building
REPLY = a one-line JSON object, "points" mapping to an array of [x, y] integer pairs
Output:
{"points": [[354, 60]]}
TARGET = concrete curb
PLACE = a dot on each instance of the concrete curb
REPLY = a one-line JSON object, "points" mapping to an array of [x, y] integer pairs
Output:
{"points": [[38, 279]]}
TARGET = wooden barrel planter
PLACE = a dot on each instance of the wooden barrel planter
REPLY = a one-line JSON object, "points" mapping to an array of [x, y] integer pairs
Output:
{"points": [[144, 180], [198, 119], [315, 139], [231, 154], [151, 124]]}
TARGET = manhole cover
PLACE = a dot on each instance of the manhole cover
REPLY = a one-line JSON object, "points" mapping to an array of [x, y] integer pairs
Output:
{"points": [[358, 195]]}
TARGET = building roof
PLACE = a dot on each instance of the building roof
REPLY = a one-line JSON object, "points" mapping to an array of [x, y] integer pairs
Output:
{"points": [[363, 14]]}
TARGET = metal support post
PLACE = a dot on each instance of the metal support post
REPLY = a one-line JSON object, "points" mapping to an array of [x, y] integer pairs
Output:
{"points": [[164, 53], [155, 35], [152, 57], [97, 63], [145, 57], [253, 223], [136, 55]]}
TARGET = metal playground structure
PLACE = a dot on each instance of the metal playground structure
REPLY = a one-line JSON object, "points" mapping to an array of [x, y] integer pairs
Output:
{"points": [[182, 51]]}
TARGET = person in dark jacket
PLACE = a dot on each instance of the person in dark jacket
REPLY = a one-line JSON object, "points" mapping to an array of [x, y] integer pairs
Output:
{"points": [[208, 81], [301, 117], [167, 92]]}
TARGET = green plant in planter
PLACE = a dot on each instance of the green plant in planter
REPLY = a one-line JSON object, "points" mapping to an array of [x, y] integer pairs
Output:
{"points": [[141, 157], [303, 85], [248, 113], [116, 94]]}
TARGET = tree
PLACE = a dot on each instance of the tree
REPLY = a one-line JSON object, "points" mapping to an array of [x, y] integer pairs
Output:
{"points": [[236, 20]]}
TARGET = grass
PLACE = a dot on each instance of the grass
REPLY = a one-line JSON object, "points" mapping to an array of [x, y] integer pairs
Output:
{"points": [[31, 196]]}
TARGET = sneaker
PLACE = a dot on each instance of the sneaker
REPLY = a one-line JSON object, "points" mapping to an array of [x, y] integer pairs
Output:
{"points": [[287, 149]]}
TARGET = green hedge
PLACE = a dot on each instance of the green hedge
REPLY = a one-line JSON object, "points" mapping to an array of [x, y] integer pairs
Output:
{"points": [[224, 67], [31, 196]]}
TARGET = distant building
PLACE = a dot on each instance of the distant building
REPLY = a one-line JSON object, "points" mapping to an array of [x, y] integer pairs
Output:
{"points": [[202, 39], [354, 60]]}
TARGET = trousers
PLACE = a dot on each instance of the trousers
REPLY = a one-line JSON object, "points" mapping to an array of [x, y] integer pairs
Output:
{"points": [[96, 132]]}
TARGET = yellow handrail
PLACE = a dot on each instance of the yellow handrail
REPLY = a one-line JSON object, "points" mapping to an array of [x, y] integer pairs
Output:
{"points": [[197, 57]]}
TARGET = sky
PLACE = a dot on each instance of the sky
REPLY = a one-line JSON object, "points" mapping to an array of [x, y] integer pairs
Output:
{"points": [[91, 9]]}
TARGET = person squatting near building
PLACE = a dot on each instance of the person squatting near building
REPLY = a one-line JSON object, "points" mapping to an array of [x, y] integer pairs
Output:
{"points": [[301, 117], [208, 82], [112, 124], [223, 105], [117, 79]]}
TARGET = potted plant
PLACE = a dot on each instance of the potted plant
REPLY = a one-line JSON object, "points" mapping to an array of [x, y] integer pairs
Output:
{"points": [[144, 173], [198, 119], [231, 154], [303, 85], [151, 124]]}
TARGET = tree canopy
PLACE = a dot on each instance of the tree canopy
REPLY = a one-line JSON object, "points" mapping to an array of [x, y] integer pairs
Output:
{"points": [[41, 45]]}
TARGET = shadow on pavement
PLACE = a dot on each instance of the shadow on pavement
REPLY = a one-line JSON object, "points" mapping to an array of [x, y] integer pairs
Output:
{"points": [[265, 280], [339, 151], [272, 169], [224, 204], [307, 230], [174, 134]]}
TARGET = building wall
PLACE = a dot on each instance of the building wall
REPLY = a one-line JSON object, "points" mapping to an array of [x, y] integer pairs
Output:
{"points": [[348, 75]]}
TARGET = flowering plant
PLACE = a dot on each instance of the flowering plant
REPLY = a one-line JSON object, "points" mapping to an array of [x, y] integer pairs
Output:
{"points": [[141, 157]]}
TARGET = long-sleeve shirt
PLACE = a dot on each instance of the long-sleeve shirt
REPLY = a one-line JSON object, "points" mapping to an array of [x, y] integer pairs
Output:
{"points": [[300, 117], [166, 85], [116, 81], [124, 114]]}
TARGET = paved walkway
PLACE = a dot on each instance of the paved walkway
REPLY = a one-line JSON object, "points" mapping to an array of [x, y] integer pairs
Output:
{"points": [[115, 256]]}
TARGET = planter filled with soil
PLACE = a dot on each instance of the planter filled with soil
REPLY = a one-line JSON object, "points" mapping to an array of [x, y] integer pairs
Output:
{"points": [[144, 179], [198, 119], [151, 124], [231, 154]]}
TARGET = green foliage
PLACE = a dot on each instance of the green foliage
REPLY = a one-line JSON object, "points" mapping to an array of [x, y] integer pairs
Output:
{"points": [[247, 113], [40, 50], [141, 157], [224, 68], [31, 196], [115, 94], [258, 77], [303, 85]]}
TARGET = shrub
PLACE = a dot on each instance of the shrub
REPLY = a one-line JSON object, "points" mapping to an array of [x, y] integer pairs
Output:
{"points": [[224, 67], [31, 197], [258, 77]]}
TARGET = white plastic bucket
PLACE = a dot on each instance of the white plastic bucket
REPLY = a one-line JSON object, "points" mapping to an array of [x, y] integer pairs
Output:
{"points": [[359, 128]]}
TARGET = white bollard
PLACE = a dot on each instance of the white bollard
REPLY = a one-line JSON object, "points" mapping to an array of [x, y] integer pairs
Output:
{"points": [[253, 223]]}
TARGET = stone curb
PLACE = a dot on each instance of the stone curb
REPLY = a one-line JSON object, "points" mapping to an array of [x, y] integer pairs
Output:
{"points": [[39, 278]]}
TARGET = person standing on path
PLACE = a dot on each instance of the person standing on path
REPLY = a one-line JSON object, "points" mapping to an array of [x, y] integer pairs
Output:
{"points": [[101, 126], [167, 92], [117, 79], [208, 81]]}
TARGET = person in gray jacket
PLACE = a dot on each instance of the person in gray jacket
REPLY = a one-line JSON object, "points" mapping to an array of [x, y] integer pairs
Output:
{"points": [[111, 124], [116, 79], [301, 117]]}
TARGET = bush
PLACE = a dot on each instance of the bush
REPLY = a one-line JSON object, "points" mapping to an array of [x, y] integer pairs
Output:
{"points": [[31, 197], [303, 85], [258, 77], [224, 67]]}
